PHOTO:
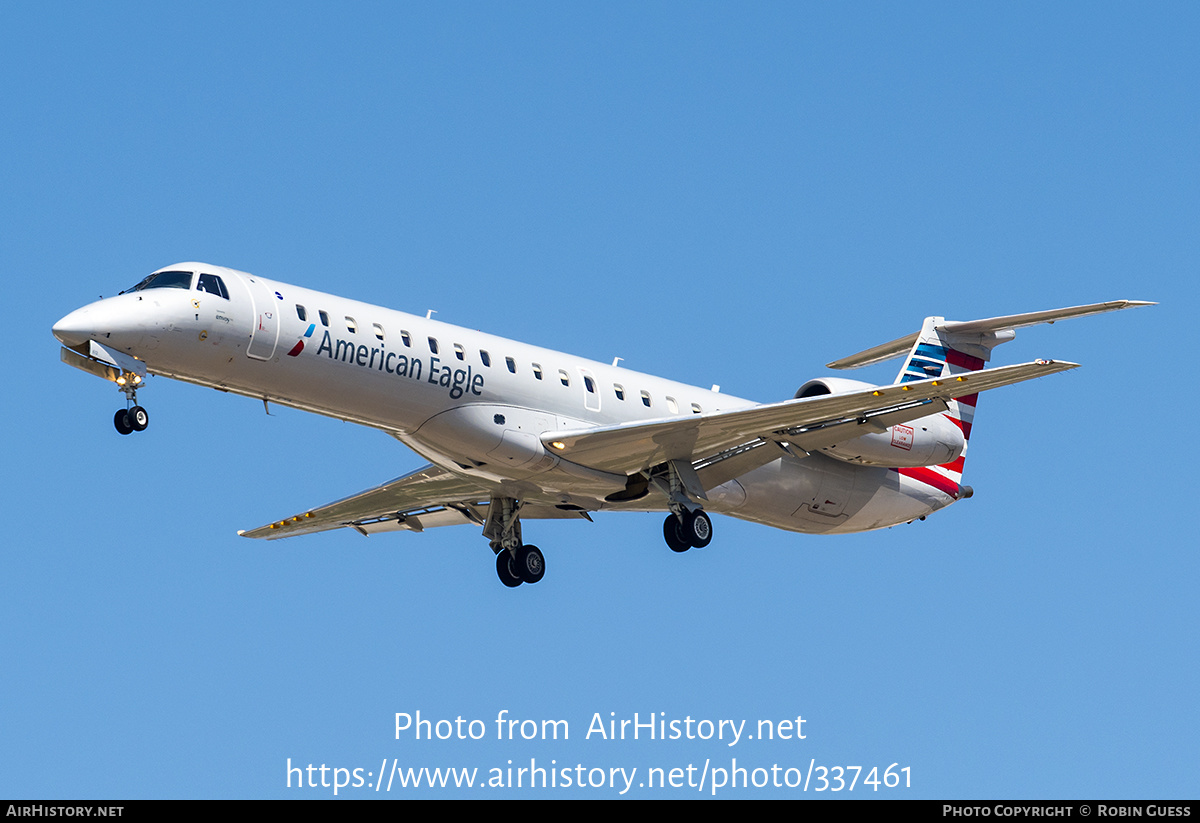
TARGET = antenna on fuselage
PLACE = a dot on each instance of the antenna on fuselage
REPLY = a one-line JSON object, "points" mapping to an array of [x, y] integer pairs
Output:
{"points": [[617, 360], [429, 314]]}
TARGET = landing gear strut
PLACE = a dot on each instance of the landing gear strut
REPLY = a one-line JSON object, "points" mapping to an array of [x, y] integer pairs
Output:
{"points": [[516, 563], [687, 526], [133, 418]]}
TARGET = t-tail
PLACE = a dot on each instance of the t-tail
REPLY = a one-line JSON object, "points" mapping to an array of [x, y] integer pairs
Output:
{"points": [[951, 348]]}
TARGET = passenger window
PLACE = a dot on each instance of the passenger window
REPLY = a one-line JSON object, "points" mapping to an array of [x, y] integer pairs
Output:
{"points": [[485, 357], [300, 312], [672, 406], [512, 364], [619, 390], [459, 352], [324, 315], [214, 285], [378, 330], [537, 371], [407, 338], [351, 326], [433, 345], [564, 378], [646, 399], [589, 384], [696, 408]]}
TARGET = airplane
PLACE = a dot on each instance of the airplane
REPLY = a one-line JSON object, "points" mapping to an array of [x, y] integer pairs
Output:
{"points": [[515, 432]]}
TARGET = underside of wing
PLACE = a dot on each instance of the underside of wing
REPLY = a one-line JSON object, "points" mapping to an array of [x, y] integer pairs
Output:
{"points": [[426, 498], [813, 422]]}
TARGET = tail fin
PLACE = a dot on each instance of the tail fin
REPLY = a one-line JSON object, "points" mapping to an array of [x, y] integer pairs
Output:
{"points": [[936, 353]]}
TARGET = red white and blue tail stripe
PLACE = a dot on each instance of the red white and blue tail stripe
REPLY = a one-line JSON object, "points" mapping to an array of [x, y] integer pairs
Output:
{"points": [[934, 356]]}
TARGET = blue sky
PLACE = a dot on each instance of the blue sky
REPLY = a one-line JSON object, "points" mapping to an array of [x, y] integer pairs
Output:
{"points": [[718, 193]]}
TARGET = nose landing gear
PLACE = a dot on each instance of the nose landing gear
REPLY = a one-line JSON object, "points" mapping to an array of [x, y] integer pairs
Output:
{"points": [[133, 418]]}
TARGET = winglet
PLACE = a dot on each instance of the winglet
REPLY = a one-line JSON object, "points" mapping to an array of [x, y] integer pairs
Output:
{"points": [[989, 326]]}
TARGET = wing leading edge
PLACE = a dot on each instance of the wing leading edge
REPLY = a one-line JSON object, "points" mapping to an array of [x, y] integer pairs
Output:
{"points": [[806, 423]]}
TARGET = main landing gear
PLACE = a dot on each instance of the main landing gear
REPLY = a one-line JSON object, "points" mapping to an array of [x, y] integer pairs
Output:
{"points": [[689, 530], [527, 566], [516, 563], [687, 526], [133, 418]]}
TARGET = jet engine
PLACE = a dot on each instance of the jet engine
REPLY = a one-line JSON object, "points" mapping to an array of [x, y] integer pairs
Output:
{"points": [[932, 440]]}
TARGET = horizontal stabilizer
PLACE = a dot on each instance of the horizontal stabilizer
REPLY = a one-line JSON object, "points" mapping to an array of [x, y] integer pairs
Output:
{"points": [[991, 325]]}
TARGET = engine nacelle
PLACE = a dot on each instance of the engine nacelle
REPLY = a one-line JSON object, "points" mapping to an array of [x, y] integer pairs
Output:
{"points": [[927, 441], [831, 385]]}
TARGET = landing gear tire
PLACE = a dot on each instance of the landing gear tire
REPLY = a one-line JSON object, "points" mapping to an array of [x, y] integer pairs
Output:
{"points": [[697, 528], [506, 569], [123, 422], [138, 418], [675, 536], [530, 565]]}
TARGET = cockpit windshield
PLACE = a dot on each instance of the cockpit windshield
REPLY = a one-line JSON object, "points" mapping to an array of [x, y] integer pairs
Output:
{"points": [[164, 280]]}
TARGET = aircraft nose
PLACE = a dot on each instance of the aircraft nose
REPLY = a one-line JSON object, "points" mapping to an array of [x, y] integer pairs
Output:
{"points": [[75, 328]]}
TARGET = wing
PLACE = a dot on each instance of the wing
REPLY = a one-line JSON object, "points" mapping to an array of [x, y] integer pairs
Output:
{"points": [[809, 423], [424, 499], [430, 496], [719, 443]]}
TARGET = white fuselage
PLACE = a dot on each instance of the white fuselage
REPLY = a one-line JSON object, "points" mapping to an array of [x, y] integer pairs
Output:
{"points": [[471, 402]]}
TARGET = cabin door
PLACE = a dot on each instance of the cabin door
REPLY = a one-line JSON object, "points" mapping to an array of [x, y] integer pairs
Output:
{"points": [[264, 332]]}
